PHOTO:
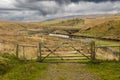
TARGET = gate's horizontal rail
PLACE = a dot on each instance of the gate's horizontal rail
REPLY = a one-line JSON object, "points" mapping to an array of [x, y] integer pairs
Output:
{"points": [[66, 59], [60, 51], [65, 56], [67, 47], [26, 45], [66, 53]]}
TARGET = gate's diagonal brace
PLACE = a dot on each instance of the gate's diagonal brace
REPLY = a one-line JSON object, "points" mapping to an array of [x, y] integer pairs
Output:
{"points": [[80, 52], [51, 52]]}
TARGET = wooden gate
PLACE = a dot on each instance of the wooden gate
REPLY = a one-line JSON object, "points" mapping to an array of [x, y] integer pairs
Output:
{"points": [[73, 51]]}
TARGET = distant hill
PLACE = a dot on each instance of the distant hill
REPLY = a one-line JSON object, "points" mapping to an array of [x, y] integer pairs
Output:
{"points": [[69, 22], [5, 25]]}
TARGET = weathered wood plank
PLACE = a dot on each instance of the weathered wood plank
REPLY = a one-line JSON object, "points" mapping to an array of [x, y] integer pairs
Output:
{"points": [[93, 54], [26, 45], [17, 50]]}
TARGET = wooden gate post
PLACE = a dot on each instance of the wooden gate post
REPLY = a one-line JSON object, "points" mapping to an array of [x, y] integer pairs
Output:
{"points": [[93, 54], [17, 48], [40, 51]]}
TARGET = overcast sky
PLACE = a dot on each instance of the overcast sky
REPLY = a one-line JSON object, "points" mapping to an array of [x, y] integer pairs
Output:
{"points": [[37, 10]]}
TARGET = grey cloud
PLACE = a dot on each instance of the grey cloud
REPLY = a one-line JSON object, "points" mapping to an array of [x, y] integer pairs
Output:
{"points": [[10, 9], [38, 10], [44, 7]]}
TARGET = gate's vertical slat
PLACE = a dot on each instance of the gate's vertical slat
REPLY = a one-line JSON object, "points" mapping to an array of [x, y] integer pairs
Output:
{"points": [[17, 47], [93, 50]]}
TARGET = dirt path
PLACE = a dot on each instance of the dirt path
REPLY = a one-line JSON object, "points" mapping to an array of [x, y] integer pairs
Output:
{"points": [[68, 71]]}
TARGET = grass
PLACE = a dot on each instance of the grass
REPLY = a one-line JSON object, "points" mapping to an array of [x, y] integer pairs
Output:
{"points": [[109, 43], [25, 71], [71, 22], [15, 69], [13, 26], [106, 70], [64, 22], [20, 70], [65, 61], [103, 70], [108, 30], [103, 42]]}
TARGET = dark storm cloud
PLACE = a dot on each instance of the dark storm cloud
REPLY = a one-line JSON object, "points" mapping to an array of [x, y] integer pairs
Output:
{"points": [[94, 0], [75, 1], [36, 10]]}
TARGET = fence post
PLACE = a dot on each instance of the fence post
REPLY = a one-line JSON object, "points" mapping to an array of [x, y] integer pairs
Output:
{"points": [[93, 54], [40, 51], [17, 47], [24, 53]]}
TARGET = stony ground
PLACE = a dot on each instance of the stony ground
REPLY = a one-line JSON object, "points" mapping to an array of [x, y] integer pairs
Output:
{"points": [[68, 71]]}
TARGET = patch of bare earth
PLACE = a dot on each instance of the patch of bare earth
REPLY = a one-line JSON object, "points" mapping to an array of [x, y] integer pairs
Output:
{"points": [[68, 71]]}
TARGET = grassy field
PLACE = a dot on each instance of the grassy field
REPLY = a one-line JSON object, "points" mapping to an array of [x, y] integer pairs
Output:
{"points": [[106, 70], [108, 30], [14, 69]]}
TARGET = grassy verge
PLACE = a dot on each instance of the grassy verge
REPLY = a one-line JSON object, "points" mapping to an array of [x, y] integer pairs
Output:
{"points": [[106, 70], [19, 70]]}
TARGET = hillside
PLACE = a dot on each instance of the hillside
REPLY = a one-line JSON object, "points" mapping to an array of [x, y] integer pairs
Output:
{"points": [[100, 27], [109, 30], [5, 25]]}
